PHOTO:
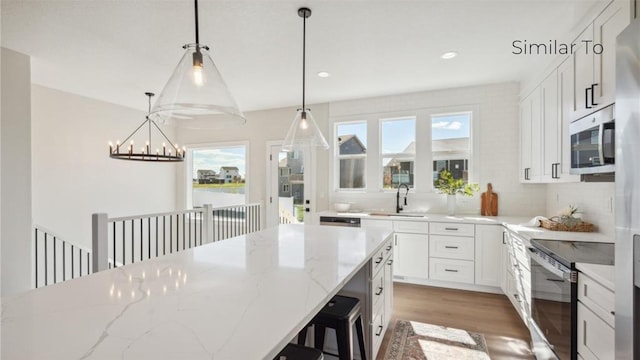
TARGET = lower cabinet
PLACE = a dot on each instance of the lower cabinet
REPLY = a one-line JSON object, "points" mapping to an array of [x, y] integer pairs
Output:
{"points": [[596, 320], [517, 268], [488, 255], [411, 254], [381, 296]]}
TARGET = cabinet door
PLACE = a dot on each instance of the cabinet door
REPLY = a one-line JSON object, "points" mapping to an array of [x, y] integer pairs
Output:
{"points": [[488, 259], [388, 285], [411, 255], [583, 73], [504, 262], [551, 136], [606, 28], [530, 133], [566, 99]]}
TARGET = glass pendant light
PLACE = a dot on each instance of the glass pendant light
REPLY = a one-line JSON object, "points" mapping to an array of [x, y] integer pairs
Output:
{"points": [[304, 130], [196, 95]]}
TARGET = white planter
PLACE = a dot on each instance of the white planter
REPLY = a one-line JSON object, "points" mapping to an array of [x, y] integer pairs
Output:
{"points": [[451, 205]]}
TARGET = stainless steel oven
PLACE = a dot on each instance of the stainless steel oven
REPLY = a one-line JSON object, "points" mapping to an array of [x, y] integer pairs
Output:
{"points": [[593, 143]]}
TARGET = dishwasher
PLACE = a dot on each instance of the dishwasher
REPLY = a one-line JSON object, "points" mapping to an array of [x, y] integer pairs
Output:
{"points": [[340, 221]]}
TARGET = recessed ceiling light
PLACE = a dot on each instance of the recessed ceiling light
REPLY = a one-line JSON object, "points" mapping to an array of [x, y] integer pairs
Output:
{"points": [[323, 74], [449, 55]]}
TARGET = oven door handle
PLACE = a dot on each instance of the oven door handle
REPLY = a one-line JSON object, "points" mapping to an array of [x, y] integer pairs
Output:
{"points": [[565, 275]]}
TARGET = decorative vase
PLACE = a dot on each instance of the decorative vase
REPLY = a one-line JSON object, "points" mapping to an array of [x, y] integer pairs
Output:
{"points": [[451, 205]]}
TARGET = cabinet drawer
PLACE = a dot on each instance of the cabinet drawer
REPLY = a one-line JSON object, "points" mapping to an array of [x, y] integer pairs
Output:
{"points": [[451, 270], [438, 228], [377, 261], [452, 247], [387, 249], [597, 298], [377, 288], [378, 327], [595, 337], [411, 226]]}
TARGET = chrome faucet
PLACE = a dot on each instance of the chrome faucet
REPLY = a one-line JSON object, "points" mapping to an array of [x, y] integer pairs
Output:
{"points": [[398, 207]]}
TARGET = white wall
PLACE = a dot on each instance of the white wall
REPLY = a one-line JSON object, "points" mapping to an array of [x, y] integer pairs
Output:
{"points": [[594, 200], [73, 175], [16, 172], [497, 122], [261, 127]]}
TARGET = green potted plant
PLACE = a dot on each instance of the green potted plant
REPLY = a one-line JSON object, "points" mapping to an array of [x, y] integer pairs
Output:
{"points": [[446, 184]]}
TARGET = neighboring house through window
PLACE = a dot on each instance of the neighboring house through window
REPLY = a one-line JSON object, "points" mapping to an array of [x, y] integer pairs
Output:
{"points": [[219, 175], [414, 148], [351, 145]]}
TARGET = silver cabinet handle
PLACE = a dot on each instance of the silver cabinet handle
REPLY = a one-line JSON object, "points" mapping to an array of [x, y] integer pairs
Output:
{"points": [[379, 260], [451, 229], [379, 291], [390, 262], [450, 270], [450, 247], [389, 248]]}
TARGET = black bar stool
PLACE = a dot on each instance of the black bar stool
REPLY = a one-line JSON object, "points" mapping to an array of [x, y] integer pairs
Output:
{"points": [[299, 352], [340, 314]]}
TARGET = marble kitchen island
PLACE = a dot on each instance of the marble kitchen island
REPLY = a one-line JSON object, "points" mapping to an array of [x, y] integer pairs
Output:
{"points": [[241, 298]]}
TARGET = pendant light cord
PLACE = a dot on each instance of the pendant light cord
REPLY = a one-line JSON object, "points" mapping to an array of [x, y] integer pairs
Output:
{"points": [[304, 47], [197, 30]]}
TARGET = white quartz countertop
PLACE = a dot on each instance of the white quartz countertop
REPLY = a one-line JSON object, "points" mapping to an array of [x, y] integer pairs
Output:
{"points": [[604, 274], [513, 223], [241, 298]]}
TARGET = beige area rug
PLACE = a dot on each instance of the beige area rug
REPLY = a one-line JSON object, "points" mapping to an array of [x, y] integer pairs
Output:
{"points": [[418, 341]]}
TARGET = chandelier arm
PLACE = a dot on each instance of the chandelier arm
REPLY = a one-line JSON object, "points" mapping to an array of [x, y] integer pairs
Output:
{"points": [[135, 131], [163, 135]]}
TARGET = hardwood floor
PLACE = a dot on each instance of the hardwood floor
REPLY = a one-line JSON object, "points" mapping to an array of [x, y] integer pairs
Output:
{"points": [[489, 314]]}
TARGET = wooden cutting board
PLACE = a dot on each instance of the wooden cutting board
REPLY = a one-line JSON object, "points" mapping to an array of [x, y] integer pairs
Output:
{"points": [[489, 202]]}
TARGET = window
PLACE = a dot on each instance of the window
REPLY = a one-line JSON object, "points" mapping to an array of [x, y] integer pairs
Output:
{"points": [[398, 150], [219, 175], [351, 146], [451, 145]]}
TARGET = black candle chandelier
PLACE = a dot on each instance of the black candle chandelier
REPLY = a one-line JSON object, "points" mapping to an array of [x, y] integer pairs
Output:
{"points": [[168, 153]]}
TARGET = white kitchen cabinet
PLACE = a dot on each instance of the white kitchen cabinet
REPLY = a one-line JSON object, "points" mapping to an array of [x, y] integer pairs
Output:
{"points": [[596, 319], [488, 255], [384, 224], [530, 136], [594, 60], [551, 135], [566, 99], [606, 28], [381, 288], [411, 255], [596, 339], [518, 283]]}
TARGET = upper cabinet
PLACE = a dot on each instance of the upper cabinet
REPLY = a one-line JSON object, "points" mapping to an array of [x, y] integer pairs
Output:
{"points": [[594, 60], [583, 83], [606, 27]]}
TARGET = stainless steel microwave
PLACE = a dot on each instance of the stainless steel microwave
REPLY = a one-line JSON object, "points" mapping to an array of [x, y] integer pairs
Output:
{"points": [[593, 143]]}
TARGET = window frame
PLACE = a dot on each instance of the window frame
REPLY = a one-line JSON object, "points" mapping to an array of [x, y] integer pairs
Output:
{"points": [[187, 186], [423, 175], [382, 155], [337, 156]]}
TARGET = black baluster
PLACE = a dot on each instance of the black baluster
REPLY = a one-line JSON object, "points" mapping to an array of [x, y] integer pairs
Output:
{"points": [[36, 255], [55, 267], [114, 245], [46, 255], [72, 262]]}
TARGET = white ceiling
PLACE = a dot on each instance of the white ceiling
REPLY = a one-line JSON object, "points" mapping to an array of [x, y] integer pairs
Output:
{"points": [[115, 50]]}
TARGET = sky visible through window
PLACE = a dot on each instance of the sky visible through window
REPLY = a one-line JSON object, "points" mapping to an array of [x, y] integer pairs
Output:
{"points": [[450, 126], [357, 129], [213, 159]]}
